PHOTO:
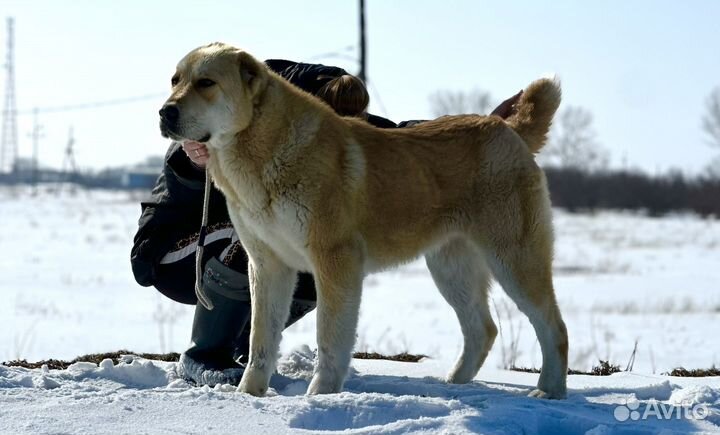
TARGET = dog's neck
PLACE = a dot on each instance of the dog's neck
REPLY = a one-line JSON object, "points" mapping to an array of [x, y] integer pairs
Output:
{"points": [[266, 153]]}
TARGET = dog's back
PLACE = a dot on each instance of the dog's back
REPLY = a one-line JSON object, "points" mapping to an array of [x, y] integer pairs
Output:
{"points": [[428, 182]]}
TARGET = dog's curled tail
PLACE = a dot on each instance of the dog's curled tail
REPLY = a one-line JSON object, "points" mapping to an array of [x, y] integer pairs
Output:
{"points": [[534, 112]]}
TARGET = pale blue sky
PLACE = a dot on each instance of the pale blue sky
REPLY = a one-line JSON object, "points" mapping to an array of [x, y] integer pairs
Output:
{"points": [[643, 68]]}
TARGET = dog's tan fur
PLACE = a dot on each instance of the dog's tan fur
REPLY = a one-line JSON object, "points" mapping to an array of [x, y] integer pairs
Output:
{"points": [[312, 191]]}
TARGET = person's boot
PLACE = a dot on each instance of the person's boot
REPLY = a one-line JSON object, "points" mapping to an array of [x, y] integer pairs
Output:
{"points": [[215, 334], [298, 309]]}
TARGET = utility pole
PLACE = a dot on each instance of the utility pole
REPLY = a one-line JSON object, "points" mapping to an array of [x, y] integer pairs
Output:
{"points": [[69, 168], [362, 74], [36, 134], [9, 142]]}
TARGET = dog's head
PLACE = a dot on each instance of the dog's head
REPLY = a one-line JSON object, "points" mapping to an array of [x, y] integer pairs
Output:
{"points": [[214, 91]]}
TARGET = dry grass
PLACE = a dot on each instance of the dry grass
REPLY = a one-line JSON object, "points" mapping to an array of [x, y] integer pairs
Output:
{"points": [[93, 357], [402, 357], [96, 358], [602, 369], [694, 373]]}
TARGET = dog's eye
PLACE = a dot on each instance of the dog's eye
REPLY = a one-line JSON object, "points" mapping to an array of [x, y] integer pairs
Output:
{"points": [[204, 83], [175, 80]]}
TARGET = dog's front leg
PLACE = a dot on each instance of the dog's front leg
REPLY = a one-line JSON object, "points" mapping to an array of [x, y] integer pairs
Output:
{"points": [[271, 288], [338, 277]]}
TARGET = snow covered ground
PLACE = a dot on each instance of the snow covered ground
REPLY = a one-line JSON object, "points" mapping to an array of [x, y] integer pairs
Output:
{"points": [[621, 279], [141, 396]]}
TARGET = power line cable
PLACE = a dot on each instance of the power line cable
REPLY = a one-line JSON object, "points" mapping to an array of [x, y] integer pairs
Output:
{"points": [[92, 105], [120, 101], [341, 53]]}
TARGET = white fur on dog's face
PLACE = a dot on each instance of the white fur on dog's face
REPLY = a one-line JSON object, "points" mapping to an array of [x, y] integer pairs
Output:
{"points": [[213, 90]]}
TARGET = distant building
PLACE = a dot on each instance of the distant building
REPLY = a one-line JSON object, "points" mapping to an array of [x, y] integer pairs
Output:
{"points": [[143, 175], [140, 178]]}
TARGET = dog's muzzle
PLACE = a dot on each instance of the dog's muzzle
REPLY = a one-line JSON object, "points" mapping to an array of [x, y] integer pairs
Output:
{"points": [[170, 125], [169, 116]]}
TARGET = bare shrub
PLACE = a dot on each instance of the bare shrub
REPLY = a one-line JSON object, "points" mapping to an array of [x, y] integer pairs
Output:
{"points": [[447, 102], [711, 119], [573, 143], [510, 337]]}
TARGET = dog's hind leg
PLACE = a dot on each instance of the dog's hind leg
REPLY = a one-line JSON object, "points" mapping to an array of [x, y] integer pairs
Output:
{"points": [[461, 274], [524, 270], [338, 277]]}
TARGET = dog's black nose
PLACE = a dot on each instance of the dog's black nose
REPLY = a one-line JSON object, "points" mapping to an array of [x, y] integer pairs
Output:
{"points": [[170, 113]]}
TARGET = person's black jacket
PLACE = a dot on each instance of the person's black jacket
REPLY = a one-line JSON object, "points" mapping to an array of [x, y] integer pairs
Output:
{"points": [[174, 209], [306, 76]]}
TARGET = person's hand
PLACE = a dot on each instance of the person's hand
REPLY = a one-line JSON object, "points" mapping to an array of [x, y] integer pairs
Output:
{"points": [[507, 107], [196, 152]]}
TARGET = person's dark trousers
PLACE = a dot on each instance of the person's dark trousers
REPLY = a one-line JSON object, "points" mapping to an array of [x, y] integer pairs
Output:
{"points": [[217, 333]]}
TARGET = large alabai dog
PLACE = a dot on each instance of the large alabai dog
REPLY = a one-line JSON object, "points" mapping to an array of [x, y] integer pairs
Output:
{"points": [[308, 190]]}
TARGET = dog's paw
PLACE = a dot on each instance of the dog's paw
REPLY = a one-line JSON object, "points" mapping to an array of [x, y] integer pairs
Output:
{"points": [[323, 385], [460, 376], [253, 382], [540, 394]]}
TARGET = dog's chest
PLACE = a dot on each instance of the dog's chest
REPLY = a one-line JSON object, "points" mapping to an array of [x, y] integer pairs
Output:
{"points": [[269, 207], [283, 227]]}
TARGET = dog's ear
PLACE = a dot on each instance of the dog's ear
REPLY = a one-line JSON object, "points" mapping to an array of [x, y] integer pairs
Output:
{"points": [[252, 73]]}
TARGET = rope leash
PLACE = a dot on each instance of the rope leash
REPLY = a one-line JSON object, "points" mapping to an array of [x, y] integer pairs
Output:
{"points": [[199, 292]]}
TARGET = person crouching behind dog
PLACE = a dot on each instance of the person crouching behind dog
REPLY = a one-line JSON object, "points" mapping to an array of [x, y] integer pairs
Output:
{"points": [[163, 254]]}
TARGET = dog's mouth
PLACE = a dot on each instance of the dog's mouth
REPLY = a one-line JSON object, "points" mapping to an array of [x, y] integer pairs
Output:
{"points": [[170, 133], [167, 131]]}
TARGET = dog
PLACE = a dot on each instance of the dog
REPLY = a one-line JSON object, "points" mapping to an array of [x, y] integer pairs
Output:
{"points": [[309, 190]]}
